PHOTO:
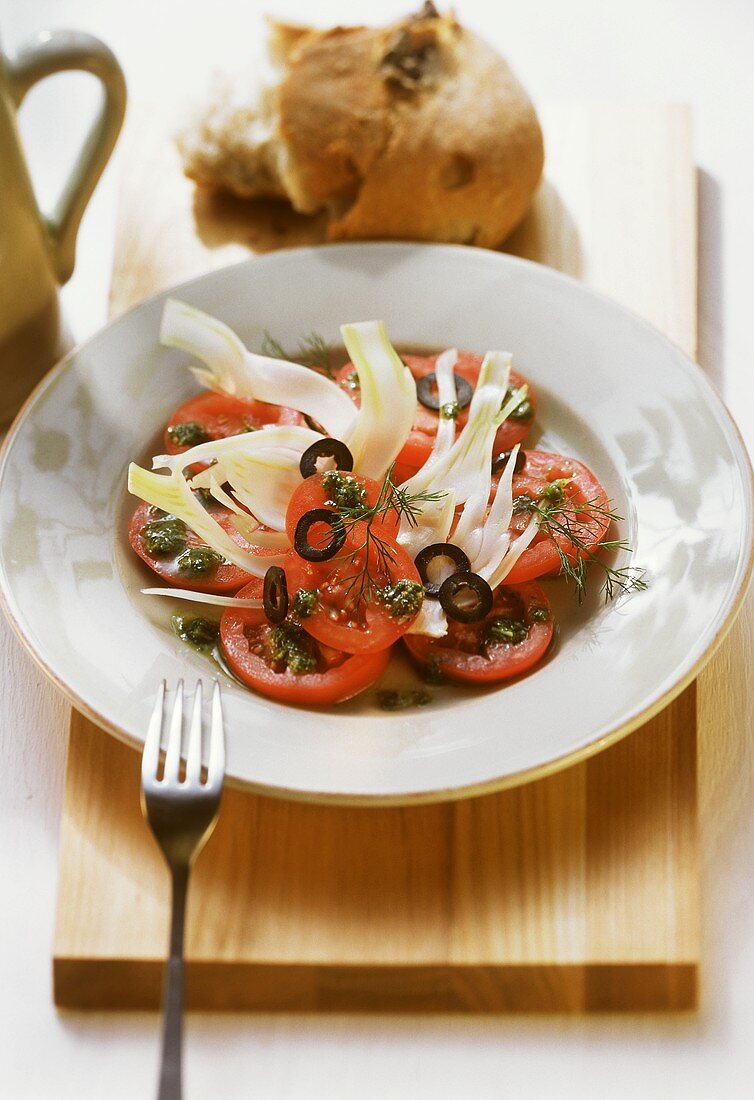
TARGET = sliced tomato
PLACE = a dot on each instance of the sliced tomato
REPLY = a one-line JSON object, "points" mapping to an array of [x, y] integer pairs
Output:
{"points": [[247, 642], [418, 446], [219, 415], [349, 615], [469, 655], [588, 528], [311, 493], [225, 577]]}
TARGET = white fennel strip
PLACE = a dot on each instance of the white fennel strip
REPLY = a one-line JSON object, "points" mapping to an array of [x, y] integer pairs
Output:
{"points": [[261, 467], [515, 551], [249, 529], [203, 597], [229, 367], [432, 524], [458, 472], [388, 399], [469, 533], [446, 395], [492, 541], [461, 467], [219, 494], [431, 621]]}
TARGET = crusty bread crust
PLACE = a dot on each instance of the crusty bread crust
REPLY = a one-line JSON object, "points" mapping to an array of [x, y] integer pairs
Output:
{"points": [[419, 130], [334, 118]]}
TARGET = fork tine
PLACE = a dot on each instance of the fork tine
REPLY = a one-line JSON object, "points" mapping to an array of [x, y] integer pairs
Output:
{"points": [[151, 756], [194, 755], [216, 766], [173, 755]]}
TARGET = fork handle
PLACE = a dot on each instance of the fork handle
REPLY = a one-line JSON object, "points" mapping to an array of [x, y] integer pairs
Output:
{"points": [[172, 1003]]}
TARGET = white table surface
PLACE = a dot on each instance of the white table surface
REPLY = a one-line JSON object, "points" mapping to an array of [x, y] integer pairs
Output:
{"points": [[691, 50]]}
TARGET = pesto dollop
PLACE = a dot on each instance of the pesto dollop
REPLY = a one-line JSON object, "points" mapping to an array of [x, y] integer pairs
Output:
{"points": [[304, 603], [200, 633], [189, 434], [291, 647], [199, 561], [539, 614], [344, 491], [389, 699], [554, 493], [506, 631], [450, 410], [433, 674], [164, 538], [404, 598]]}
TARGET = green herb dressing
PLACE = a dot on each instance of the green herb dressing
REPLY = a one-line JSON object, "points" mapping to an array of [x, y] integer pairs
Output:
{"points": [[165, 538], [290, 646], [404, 598], [199, 561], [201, 634], [189, 434], [389, 699]]}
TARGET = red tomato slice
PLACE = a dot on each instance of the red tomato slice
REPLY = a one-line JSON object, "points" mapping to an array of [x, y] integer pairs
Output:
{"points": [[465, 656], [219, 415], [418, 446], [342, 619], [224, 578], [312, 494], [246, 641], [541, 558]]}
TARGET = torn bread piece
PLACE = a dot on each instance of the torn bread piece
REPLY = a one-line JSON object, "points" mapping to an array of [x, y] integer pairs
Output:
{"points": [[415, 131]]}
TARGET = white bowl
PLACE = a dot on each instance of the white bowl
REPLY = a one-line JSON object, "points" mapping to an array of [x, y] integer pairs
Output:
{"points": [[612, 392]]}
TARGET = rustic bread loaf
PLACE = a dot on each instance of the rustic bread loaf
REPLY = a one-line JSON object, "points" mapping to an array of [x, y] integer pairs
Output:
{"points": [[418, 130]]}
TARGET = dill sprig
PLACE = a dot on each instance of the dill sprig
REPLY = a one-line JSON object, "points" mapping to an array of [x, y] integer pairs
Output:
{"points": [[272, 347], [372, 554], [313, 351], [560, 515], [391, 498]]}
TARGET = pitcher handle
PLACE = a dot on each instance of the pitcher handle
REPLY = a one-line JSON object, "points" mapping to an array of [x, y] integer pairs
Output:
{"points": [[54, 52]]}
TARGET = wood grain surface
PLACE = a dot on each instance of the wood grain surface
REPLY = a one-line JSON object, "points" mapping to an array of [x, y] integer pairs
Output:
{"points": [[577, 892]]}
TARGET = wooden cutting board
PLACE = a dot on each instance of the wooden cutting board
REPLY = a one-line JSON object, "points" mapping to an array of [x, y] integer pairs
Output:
{"points": [[576, 892]]}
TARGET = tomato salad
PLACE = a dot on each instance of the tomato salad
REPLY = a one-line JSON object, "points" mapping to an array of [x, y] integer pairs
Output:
{"points": [[331, 516]]}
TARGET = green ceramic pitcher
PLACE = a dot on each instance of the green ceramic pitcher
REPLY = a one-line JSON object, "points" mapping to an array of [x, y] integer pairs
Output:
{"points": [[37, 251]]}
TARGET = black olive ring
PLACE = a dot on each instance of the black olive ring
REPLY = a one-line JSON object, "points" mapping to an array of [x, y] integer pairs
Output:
{"points": [[325, 448], [275, 594], [501, 461], [301, 543], [439, 550], [427, 393], [460, 584]]}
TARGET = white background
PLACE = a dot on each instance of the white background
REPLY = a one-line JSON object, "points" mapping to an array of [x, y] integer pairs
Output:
{"points": [[696, 51]]}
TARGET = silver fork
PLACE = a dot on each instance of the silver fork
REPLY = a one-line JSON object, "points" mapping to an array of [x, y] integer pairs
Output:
{"points": [[181, 814]]}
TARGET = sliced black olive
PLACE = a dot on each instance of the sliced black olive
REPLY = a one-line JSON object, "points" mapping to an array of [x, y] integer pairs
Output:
{"points": [[275, 594], [439, 550], [301, 543], [501, 461], [325, 448], [465, 597], [428, 394]]}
